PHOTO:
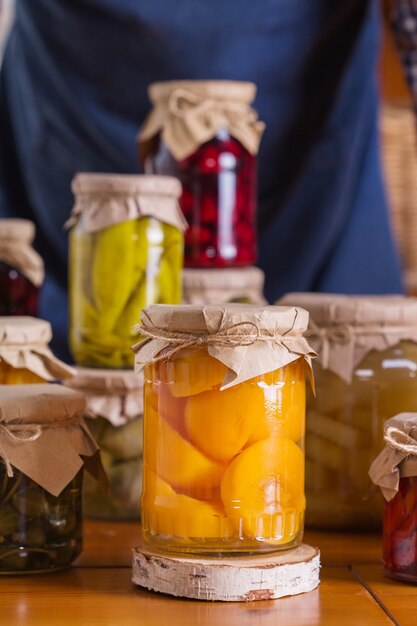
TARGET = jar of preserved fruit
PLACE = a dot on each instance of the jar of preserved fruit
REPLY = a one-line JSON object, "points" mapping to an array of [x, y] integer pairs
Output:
{"points": [[24, 353], [211, 286], [395, 471], [126, 250], [43, 447], [21, 268], [114, 416], [206, 134], [365, 373], [223, 427]]}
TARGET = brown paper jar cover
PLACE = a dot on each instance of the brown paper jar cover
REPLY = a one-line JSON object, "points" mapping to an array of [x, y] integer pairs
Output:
{"points": [[248, 339], [399, 456], [116, 395], [16, 237], [24, 344], [213, 286], [43, 434], [344, 328], [188, 113], [107, 199]]}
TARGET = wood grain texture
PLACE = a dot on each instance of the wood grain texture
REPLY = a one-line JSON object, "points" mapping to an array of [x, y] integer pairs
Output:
{"points": [[237, 579]]}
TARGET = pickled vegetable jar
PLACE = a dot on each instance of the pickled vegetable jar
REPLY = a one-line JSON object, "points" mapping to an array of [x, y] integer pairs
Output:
{"points": [[211, 286], [126, 250], [24, 353], [114, 417], [21, 268], [206, 134], [395, 472], [223, 427], [366, 372], [43, 447]]}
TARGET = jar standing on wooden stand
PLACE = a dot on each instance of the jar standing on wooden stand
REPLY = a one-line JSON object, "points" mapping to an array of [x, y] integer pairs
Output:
{"points": [[24, 353], [114, 416], [223, 427], [126, 250], [44, 445], [206, 134], [21, 268], [395, 472], [366, 372]]}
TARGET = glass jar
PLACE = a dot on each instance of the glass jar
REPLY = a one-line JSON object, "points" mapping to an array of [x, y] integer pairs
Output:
{"points": [[43, 446], [21, 268], [114, 417], [126, 249], [223, 467], [243, 284], [24, 354], [366, 372], [206, 134]]}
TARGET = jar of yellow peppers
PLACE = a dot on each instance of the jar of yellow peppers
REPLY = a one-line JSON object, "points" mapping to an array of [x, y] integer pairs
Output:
{"points": [[223, 427], [126, 250], [25, 357]]}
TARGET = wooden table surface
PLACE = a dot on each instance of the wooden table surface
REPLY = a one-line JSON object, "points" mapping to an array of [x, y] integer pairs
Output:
{"points": [[97, 591]]}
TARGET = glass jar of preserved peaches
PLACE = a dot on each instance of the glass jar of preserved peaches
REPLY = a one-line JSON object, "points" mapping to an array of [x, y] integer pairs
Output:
{"points": [[223, 427], [43, 447], [211, 286], [25, 357], [206, 134], [126, 250], [395, 471], [366, 372], [21, 268], [114, 415]]}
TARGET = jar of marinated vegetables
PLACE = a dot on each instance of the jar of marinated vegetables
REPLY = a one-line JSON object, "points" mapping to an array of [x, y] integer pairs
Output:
{"points": [[21, 268], [206, 134], [44, 445], [395, 471], [223, 427], [211, 286], [24, 353], [114, 416], [126, 250], [366, 372]]}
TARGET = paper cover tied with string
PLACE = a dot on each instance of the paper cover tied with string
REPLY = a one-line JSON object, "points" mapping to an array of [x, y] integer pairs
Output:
{"points": [[16, 237], [399, 456], [248, 339], [43, 435]]}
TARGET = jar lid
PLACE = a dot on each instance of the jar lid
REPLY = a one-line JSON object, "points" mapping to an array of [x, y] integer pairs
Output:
{"points": [[40, 404], [225, 278], [250, 340], [106, 381], [24, 331], [239, 91], [125, 184], [17, 229], [108, 199]]}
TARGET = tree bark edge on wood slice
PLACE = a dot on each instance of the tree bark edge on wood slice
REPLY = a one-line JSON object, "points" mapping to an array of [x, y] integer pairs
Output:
{"points": [[232, 579]]}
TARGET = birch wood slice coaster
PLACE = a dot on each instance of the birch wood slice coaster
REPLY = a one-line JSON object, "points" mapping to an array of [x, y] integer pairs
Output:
{"points": [[233, 579]]}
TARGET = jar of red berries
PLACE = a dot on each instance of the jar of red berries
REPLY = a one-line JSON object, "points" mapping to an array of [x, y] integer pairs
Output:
{"points": [[206, 134]]}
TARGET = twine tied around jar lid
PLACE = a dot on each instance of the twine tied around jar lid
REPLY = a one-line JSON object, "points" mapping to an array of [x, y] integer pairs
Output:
{"points": [[188, 113], [248, 339], [16, 236], [399, 456], [343, 329]]}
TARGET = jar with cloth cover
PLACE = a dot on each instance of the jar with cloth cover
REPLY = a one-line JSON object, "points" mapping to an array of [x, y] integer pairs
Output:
{"points": [[223, 427], [395, 472], [21, 268], [206, 134], [44, 445], [126, 250], [24, 353], [114, 416], [365, 373]]}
